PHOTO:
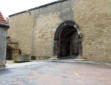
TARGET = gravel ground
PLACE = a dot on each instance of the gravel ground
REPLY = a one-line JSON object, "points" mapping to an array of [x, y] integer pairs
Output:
{"points": [[56, 72]]}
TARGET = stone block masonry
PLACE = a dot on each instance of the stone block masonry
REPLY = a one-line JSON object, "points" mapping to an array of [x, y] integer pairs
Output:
{"points": [[35, 29]]}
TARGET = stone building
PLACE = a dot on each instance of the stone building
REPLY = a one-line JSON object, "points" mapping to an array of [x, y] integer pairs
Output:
{"points": [[3, 35], [65, 28]]}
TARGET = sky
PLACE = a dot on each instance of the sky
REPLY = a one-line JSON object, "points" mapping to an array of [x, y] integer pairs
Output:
{"points": [[8, 7]]}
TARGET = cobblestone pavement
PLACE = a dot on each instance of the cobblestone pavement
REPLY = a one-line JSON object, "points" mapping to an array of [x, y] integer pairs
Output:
{"points": [[56, 73]]}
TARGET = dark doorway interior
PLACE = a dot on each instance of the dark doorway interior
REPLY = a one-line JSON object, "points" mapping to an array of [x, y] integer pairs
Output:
{"points": [[68, 42], [12, 51], [9, 53]]}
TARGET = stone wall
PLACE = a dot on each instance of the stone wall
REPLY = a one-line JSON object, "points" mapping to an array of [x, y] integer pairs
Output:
{"points": [[3, 34], [21, 28], [35, 29], [47, 21], [94, 19]]}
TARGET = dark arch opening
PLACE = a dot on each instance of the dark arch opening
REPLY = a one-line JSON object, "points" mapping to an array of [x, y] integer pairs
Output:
{"points": [[67, 42], [9, 53]]}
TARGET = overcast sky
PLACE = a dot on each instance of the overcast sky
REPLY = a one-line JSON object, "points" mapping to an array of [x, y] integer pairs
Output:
{"points": [[8, 7]]}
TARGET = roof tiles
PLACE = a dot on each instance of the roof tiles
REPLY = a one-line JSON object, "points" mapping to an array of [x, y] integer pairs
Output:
{"points": [[2, 20]]}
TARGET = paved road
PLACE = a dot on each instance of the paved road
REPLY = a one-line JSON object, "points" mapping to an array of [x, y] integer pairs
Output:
{"points": [[56, 73]]}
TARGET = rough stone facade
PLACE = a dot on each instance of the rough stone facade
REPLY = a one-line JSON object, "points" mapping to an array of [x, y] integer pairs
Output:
{"points": [[94, 19], [21, 31], [35, 29], [3, 35], [3, 42]]}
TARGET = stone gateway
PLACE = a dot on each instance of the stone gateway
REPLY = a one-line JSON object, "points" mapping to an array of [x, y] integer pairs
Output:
{"points": [[65, 28]]}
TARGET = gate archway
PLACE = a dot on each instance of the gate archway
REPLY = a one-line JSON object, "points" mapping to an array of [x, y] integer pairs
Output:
{"points": [[67, 40]]}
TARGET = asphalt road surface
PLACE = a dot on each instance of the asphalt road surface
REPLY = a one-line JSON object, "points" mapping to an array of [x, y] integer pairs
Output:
{"points": [[56, 73]]}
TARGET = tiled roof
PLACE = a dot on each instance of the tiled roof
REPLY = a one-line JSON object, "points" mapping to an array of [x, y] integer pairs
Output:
{"points": [[2, 20]]}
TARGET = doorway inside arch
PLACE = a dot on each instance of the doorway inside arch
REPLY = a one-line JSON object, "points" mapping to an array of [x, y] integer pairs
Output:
{"points": [[66, 43]]}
